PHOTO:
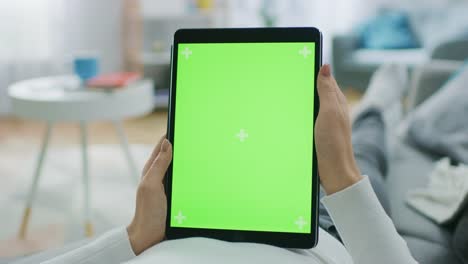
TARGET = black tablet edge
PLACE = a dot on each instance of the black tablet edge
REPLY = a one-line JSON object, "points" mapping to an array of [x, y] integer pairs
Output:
{"points": [[291, 240]]}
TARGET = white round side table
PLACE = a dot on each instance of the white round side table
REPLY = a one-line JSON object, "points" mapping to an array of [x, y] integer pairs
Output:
{"points": [[60, 98]]}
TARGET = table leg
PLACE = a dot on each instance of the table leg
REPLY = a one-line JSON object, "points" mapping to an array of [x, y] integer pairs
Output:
{"points": [[126, 149], [33, 187], [86, 185]]}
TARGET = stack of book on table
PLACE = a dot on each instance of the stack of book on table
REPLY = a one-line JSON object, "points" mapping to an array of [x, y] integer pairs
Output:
{"points": [[116, 80]]}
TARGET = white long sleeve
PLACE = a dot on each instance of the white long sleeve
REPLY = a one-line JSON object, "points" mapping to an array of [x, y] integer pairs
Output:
{"points": [[367, 232], [112, 247]]}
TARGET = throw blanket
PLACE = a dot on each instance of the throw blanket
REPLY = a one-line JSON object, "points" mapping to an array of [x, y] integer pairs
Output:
{"points": [[446, 194], [443, 199], [440, 124]]}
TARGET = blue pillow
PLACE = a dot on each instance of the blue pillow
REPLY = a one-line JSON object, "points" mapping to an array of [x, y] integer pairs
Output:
{"points": [[390, 30]]}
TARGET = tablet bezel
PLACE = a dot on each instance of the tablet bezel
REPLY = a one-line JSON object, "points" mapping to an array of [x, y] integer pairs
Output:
{"points": [[246, 35]]}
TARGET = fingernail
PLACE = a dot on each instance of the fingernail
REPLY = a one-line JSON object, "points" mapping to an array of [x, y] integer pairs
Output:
{"points": [[325, 71], [165, 145]]}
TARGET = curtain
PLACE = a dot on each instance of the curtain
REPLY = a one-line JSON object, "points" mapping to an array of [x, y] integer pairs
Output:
{"points": [[26, 30], [25, 42]]}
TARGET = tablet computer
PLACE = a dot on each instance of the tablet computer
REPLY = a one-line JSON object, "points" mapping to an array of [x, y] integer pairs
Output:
{"points": [[243, 104]]}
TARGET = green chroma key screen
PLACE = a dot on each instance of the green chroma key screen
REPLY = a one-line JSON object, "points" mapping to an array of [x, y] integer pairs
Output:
{"points": [[243, 136]]}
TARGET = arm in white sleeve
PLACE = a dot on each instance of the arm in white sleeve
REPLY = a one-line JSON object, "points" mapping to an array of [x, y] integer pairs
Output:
{"points": [[112, 247], [367, 232]]}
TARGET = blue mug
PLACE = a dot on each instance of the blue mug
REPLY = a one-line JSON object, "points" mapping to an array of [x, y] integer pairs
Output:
{"points": [[86, 67]]}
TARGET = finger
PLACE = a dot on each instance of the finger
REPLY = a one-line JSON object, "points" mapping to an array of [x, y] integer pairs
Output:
{"points": [[326, 87], [333, 94], [344, 103], [161, 162], [325, 80], [154, 154], [341, 98]]}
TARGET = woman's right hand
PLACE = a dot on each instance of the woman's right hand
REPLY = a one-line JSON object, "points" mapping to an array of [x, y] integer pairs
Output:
{"points": [[336, 164], [148, 226]]}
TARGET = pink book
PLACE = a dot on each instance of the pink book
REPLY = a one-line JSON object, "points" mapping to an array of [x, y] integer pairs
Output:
{"points": [[113, 80]]}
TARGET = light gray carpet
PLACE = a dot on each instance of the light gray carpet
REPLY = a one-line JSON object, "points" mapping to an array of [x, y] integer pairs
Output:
{"points": [[57, 214]]}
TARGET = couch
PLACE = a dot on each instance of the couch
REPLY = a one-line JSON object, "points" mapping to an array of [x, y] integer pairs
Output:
{"points": [[410, 34], [409, 168], [353, 66]]}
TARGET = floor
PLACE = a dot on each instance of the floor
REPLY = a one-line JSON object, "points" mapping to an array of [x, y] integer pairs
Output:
{"points": [[143, 130], [20, 141], [57, 213]]}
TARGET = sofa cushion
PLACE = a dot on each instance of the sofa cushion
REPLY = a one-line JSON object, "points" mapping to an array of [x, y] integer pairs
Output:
{"points": [[388, 30], [409, 168], [439, 124], [426, 252]]}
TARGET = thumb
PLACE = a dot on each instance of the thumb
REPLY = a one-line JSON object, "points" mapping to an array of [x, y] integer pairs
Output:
{"points": [[326, 85], [325, 80], [161, 162]]}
